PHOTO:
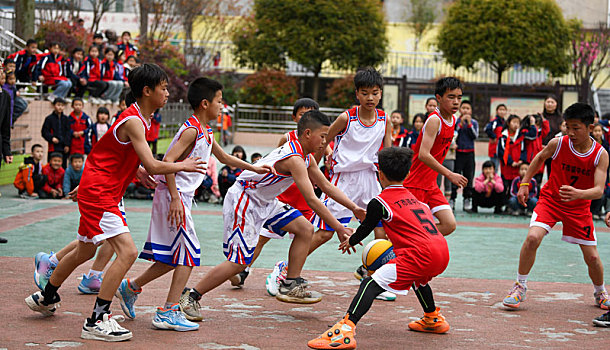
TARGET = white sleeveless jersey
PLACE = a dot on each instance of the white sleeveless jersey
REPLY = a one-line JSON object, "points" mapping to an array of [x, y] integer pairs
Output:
{"points": [[356, 148], [187, 182], [263, 188]]}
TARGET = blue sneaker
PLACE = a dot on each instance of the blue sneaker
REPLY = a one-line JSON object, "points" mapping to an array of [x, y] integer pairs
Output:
{"points": [[90, 285], [173, 319], [43, 269], [128, 297]]}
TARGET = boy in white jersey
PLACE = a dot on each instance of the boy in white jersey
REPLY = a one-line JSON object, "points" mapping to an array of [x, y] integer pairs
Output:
{"points": [[172, 242], [251, 203]]}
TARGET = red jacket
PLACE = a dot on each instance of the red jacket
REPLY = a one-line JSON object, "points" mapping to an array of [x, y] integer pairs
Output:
{"points": [[534, 146], [55, 178], [90, 69], [107, 70], [52, 69], [82, 123]]}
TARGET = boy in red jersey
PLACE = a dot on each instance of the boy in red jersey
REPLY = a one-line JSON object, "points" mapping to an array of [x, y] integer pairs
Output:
{"points": [[578, 175], [421, 251], [110, 167]]}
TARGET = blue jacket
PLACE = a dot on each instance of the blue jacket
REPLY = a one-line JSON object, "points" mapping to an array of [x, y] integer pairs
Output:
{"points": [[466, 134], [411, 139], [72, 178], [514, 187]]}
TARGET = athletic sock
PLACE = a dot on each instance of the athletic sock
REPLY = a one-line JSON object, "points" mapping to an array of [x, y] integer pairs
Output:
{"points": [[101, 307], [53, 259], [369, 289], [133, 285], [599, 288], [247, 269], [94, 273], [49, 293], [168, 305], [425, 297], [522, 279], [195, 294]]}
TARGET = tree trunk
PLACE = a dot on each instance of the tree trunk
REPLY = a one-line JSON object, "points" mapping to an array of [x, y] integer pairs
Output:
{"points": [[188, 44], [24, 19], [500, 72], [144, 10], [316, 84], [584, 91]]}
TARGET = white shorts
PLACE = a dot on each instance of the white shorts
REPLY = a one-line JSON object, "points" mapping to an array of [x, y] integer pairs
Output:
{"points": [[243, 220], [359, 186], [270, 234], [385, 276], [167, 243]]}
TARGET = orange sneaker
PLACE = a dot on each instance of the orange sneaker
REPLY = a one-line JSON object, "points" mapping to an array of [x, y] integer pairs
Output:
{"points": [[339, 336], [432, 322]]}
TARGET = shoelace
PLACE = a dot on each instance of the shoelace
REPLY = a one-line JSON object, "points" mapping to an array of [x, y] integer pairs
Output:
{"points": [[114, 325], [299, 292], [191, 302], [517, 288]]}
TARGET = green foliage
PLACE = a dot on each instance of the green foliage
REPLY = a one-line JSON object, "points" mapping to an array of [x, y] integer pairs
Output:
{"points": [[64, 33], [269, 87], [341, 92], [423, 14], [532, 33], [230, 82], [349, 34]]}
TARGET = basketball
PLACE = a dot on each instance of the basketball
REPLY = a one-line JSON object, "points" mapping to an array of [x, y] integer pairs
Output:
{"points": [[376, 254]]}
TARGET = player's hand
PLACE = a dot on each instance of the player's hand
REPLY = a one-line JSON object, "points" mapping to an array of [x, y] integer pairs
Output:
{"points": [[359, 213], [145, 179], [569, 193], [176, 212], [60, 192], [55, 140], [607, 219], [264, 169], [72, 194], [344, 235], [346, 247], [194, 165], [66, 149], [458, 180], [523, 195], [8, 159]]}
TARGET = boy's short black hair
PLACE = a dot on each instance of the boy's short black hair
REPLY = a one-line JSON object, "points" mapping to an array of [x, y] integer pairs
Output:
{"points": [[395, 162], [201, 89], [109, 49], [304, 103], [77, 99], [78, 49], [524, 163], [402, 115], [30, 42], [98, 35], [312, 120], [34, 146], [580, 111], [55, 155], [53, 43], [489, 164], [76, 156], [466, 102], [8, 60], [447, 83], [58, 100], [148, 74], [130, 56], [125, 32], [367, 78], [102, 110], [255, 155], [501, 105]]}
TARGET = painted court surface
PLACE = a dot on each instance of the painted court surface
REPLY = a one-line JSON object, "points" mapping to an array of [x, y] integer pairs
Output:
{"points": [[484, 254]]}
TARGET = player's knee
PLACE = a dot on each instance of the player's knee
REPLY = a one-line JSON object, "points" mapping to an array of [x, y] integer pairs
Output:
{"points": [[129, 255], [532, 241], [592, 259]]}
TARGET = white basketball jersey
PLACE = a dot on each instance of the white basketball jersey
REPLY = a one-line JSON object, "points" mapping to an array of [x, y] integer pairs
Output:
{"points": [[265, 187], [187, 182], [356, 148]]}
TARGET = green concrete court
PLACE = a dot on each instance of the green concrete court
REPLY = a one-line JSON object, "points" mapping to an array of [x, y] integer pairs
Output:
{"points": [[484, 246]]}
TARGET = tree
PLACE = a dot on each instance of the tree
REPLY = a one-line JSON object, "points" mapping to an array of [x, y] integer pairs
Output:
{"points": [[590, 57], [346, 34], [423, 14], [502, 33], [24, 19], [100, 7]]}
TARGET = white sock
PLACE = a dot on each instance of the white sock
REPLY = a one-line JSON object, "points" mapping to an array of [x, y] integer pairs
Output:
{"points": [[599, 288], [134, 285], [522, 279], [53, 259], [247, 269], [168, 305], [94, 273]]}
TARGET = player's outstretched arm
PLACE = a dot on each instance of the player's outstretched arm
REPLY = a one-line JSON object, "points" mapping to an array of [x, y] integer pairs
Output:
{"points": [[431, 129], [230, 160], [318, 178], [374, 213], [133, 130], [569, 193], [546, 153]]}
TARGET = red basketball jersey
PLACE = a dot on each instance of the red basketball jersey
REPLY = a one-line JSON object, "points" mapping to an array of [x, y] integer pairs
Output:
{"points": [[421, 175], [111, 165], [569, 167], [292, 195], [408, 222]]}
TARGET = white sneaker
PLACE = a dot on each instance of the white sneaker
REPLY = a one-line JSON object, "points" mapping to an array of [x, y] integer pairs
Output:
{"points": [[107, 330], [35, 303], [467, 204], [107, 102], [51, 97], [386, 296], [272, 283]]}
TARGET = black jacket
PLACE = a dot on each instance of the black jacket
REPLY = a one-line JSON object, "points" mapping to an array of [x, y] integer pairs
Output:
{"points": [[59, 127], [5, 124]]}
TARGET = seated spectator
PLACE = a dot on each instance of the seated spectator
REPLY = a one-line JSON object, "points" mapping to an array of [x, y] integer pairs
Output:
{"points": [[99, 128], [418, 124], [25, 61], [98, 40], [255, 157], [153, 133], [18, 104], [488, 189], [73, 173], [398, 130], [91, 73], [56, 130], [79, 126], [54, 173], [514, 207], [228, 174], [122, 105], [29, 179], [128, 48], [49, 71], [208, 191], [115, 81], [73, 67], [9, 65], [129, 65]]}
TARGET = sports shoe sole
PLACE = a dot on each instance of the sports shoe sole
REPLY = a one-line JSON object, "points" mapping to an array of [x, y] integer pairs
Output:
{"points": [[35, 307], [166, 326], [438, 330], [88, 335], [512, 306], [86, 290], [601, 323], [123, 305], [294, 300]]}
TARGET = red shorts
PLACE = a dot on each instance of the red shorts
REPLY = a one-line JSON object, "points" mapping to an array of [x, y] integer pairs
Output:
{"points": [[99, 222], [413, 265], [293, 197], [432, 197], [578, 225]]}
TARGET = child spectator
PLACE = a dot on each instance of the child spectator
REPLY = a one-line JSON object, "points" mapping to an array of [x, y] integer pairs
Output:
{"points": [[25, 60], [449, 163], [73, 173], [9, 65], [431, 104], [399, 133], [56, 130], [223, 122], [122, 105], [50, 71], [208, 191], [467, 130], [488, 189], [79, 126], [29, 179], [255, 157], [511, 148], [91, 72], [54, 173], [18, 104], [98, 41], [493, 129], [130, 63], [73, 67], [108, 71], [128, 48], [563, 129], [99, 128], [533, 145], [418, 123], [515, 208], [228, 174], [153, 133], [597, 204]]}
